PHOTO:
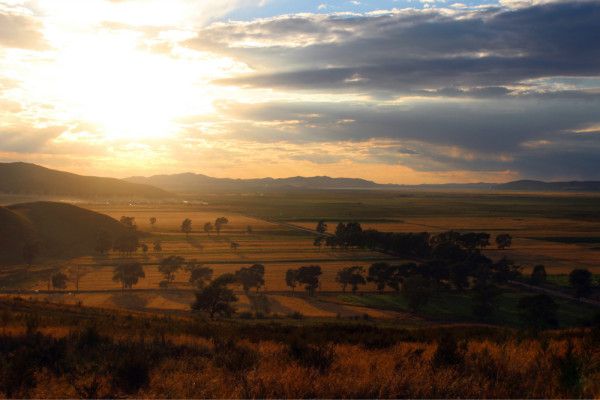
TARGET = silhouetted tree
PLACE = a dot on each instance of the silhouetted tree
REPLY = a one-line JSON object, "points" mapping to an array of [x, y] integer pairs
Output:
{"points": [[59, 280], [291, 278], [129, 222], [31, 249], [128, 274], [538, 312], [352, 276], [249, 230], [503, 270], [168, 266], [216, 298], [199, 274], [309, 277], [126, 243], [152, 222], [538, 275], [103, 242], [144, 247], [208, 227], [581, 281], [417, 291], [503, 241], [219, 223], [378, 273], [321, 227], [318, 242], [157, 246], [186, 227], [234, 246], [250, 277]]}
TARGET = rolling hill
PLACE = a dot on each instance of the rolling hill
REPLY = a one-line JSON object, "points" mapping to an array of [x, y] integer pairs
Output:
{"points": [[30, 179], [60, 229]]}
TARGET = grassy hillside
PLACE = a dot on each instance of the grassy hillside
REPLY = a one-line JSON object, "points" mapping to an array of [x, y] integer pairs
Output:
{"points": [[23, 178], [60, 229]]}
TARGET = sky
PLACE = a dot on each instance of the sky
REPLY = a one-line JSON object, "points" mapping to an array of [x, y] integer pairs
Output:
{"points": [[396, 91]]}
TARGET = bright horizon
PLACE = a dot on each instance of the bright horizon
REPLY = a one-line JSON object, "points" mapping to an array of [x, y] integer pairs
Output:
{"points": [[392, 91]]}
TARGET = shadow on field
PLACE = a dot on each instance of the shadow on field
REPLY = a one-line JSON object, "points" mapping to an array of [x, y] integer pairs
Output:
{"points": [[129, 301]]}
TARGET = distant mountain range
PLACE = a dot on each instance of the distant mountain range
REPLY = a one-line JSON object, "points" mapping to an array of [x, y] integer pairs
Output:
{"points": [[192, 183], [30, 179]]}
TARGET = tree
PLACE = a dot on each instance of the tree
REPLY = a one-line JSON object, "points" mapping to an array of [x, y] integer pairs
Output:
{"points": [[538, 275], [128, 274], [234, 246], [128, 222], [378, 274], [417, 291], [581, 281], [157, 246], [352, 276], [309, 276], [503, 241], [103, 242], [249, 230], [485, 297], [144, 247], [152, 222], [186, 227], [126, 243], [321, 227], [318, 242], [219, 223], [250, 277], [168, 266], [538, 312], [31, 249], [208, 227], [59, 280], [291, 278], [216, 298], [199, 274]]}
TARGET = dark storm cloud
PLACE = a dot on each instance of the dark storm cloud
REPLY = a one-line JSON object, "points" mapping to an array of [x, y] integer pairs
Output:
{"points": [[417, 49]]}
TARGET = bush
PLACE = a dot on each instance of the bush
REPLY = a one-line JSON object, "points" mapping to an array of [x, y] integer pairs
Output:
{"points": [[131, 372], [319, 356], [447, 352], [234, 357]]}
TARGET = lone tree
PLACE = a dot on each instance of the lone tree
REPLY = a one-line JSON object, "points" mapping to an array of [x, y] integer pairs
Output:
{"points": [[103, 242], [208, 227], [538, 312], [152, 222], [199, 274], [417, 291], [126, 243], [31, 250], [352, 276], [168, 266], [128, 274], [219, 223], [503, 241], [291, 278], [144, 247], [379, 274], [249, 230], [581, 280], [538, 275], [216, 298], [157, 246], [309, 277], [234, 246], [128, 222], [250, 277], [186, 227], [59, 280]]}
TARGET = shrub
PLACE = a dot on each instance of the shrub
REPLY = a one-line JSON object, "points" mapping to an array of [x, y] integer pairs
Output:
{"points": [[447, 352], [234, 357], [131, 372], [319, 356]]}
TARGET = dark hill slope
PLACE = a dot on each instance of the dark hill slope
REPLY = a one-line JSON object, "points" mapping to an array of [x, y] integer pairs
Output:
{"points": [[61, 229], [24, 178]]}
